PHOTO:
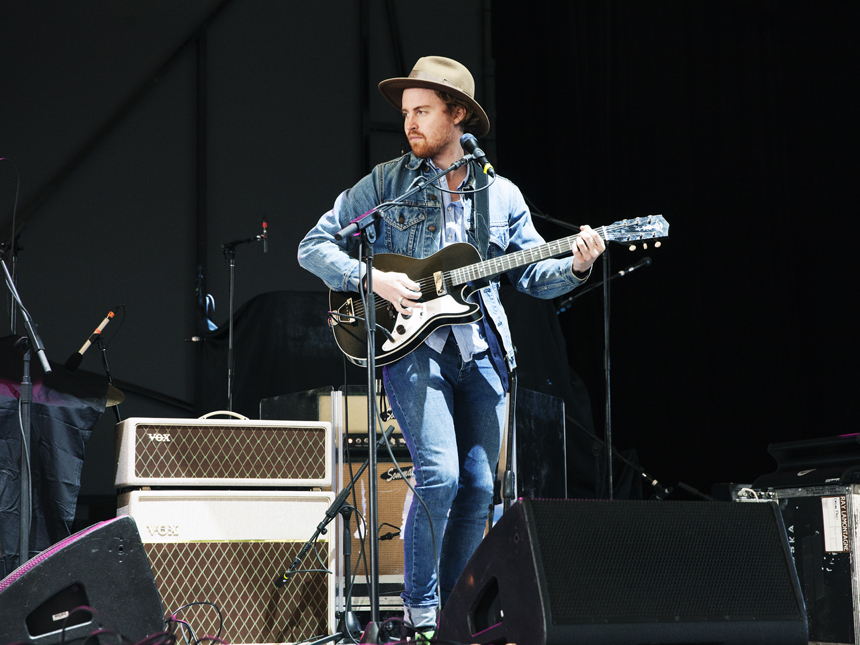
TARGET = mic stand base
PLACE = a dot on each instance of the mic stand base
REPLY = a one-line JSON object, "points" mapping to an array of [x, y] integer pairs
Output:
{"points": [[371, 633], [349, 630]]}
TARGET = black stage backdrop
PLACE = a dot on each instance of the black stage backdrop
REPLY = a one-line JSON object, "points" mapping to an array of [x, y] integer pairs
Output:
{"points": [[737, 121]]}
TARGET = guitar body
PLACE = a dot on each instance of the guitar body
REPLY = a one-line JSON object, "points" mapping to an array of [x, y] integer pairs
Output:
{"points": [[448, 280], [454, 306]]}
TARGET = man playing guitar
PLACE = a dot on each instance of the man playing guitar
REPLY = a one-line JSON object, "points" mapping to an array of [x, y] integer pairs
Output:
{"points": [[447, 389]]}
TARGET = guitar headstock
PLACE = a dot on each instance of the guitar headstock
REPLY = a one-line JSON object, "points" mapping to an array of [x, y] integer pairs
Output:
{"points": [[640, 228]]}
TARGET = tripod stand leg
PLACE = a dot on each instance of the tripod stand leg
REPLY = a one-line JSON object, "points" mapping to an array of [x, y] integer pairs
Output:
{"points": [[348, 625]]}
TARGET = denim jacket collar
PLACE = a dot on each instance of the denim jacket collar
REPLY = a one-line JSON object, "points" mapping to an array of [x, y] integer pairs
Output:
{"points": [[416, 163]]}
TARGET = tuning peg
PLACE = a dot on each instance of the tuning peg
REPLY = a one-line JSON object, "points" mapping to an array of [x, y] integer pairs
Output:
{"points": [[644, 246], [658, 244], [632, 247]]}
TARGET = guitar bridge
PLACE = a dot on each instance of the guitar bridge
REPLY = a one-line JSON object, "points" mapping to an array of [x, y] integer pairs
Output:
{"points": [[440, 283]]}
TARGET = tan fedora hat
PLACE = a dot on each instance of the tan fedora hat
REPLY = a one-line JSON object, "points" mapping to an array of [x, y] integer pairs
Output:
{"points": [[438, 73]]}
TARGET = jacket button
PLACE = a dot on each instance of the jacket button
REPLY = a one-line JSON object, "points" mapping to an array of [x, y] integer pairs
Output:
{"points": [[433, 198], [431, 228], [401, 219]]}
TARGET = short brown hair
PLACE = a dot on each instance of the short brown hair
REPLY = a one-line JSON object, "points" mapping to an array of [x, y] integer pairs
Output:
{"points": [[471, 122]]}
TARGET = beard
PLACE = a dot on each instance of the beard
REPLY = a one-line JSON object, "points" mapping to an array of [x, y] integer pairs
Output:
{"points": [[424, 149], [432, 145]]}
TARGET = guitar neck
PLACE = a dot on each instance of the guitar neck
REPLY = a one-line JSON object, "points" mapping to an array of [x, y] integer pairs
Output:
{"points": [[495, 266]]}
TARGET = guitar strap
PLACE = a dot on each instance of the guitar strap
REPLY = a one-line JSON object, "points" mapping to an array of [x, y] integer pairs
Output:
{"points": [[482, 215], [504, 363]]}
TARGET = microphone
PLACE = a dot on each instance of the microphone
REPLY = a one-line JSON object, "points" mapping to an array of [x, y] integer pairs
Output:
{"points": [[353, 228], [75, 359], [470, 145], [644, 262], [265, 237]]}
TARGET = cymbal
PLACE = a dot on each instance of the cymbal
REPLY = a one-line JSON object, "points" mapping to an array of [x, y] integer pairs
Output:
{"points": [[114, 396]]}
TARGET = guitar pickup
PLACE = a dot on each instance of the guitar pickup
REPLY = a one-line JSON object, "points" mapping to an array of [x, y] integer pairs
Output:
{"points": [[439, 279]]}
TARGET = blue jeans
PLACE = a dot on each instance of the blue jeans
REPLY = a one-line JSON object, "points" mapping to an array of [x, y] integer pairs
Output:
{"points": [[451, 414]]}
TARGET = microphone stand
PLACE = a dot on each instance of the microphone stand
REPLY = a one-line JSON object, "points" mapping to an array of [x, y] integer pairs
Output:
{"points": [[565, 305], [364, 226], [660, 491], [103, 349], [29, 342], [607, 431], [229, 250], [606, 354], [348, 623]]}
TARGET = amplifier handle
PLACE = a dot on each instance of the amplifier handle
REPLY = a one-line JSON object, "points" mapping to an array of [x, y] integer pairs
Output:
{"points": [[229, 413]]}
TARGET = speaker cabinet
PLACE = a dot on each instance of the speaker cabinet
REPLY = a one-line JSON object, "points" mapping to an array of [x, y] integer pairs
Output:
{"points": [[394, 499], [627, 573], [103, 567], [227, 548]]}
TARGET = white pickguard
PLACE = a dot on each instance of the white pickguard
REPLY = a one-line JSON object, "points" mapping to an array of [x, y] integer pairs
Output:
{"points": [[442, 306]]}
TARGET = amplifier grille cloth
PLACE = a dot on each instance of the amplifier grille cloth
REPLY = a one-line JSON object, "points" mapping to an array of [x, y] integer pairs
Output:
{"points": [[394, 499], [239, 578], [230, 452]]}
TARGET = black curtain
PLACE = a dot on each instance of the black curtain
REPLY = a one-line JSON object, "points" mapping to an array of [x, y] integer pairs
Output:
{"points": [[65, 408], [736, 121], [281, 345]]}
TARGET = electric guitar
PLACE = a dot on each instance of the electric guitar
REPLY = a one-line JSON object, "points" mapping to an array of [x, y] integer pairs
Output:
{"points": [[445, 290]]}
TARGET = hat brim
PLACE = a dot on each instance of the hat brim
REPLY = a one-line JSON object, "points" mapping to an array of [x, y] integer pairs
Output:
{"points": [[392, 90]]}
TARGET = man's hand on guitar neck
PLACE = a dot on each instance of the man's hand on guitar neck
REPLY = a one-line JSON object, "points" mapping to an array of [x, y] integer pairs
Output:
{"points": [[398, 289], [586, 249]]}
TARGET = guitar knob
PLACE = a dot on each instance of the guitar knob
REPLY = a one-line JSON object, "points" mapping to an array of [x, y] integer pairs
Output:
{"points": [[400, 329]]}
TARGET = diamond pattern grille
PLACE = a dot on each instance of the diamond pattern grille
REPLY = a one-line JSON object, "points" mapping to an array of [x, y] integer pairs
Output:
{"points": [[229, 452], [238, 577]]}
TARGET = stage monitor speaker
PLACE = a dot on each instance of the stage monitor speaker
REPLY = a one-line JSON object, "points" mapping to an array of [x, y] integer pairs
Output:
{"points": [[227, 547], [627, 573], [103, 567]]}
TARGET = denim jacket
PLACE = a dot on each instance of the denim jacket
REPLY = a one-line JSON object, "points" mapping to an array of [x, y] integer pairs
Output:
{"points": [[413, 228]]}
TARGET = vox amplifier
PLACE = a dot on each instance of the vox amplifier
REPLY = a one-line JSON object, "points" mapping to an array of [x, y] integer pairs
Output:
{"points": [[226, 548], [218, 452]]}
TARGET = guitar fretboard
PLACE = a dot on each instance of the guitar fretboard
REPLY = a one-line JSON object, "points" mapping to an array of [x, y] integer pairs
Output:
{"points": [[495, 266]]}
